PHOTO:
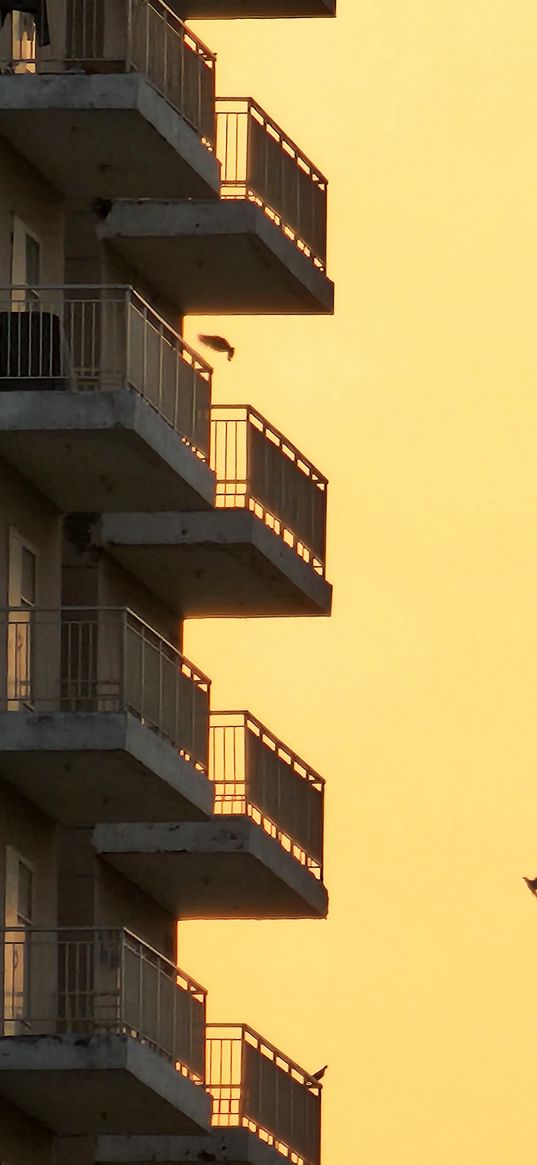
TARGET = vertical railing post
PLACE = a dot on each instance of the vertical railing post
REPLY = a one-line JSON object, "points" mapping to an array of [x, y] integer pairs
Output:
{"points": [[128, 336], [242, 1068], [182, 70], [160, 1041], [122, 986], [123, 632], [130, 25], [160, 682], [175, 1049]]}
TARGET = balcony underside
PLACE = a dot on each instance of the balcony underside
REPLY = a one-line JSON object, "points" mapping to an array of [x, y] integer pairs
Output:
{"points": [[227, 562], [250, 9], [76, 1085], [227, 868], [233, 1146], [223, 257], [102, 450], [108, 136], [81, 768]]}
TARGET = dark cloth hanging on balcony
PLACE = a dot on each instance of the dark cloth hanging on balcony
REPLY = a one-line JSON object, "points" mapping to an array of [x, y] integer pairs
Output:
{"points": [[35, 8]]}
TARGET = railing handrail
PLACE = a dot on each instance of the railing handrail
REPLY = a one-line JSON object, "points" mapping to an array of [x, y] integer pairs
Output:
{"points": [[121, 932], [321, 481], [250, 102], [197, 674], [310, 775], [243, 1028], [127, 289]]}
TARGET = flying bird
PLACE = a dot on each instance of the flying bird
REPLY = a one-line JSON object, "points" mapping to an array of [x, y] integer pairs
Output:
{"points": [[531, 883], [218, 344]]}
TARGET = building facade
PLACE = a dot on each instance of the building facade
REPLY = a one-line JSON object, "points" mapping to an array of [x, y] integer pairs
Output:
{"points": [[132, 194]]}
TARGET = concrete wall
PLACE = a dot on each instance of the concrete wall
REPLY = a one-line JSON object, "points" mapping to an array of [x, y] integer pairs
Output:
{"points": [[22, 1141], [25, 194], [91, 578], [39, 524], [34, 837], [91, 893], [116, 269]]}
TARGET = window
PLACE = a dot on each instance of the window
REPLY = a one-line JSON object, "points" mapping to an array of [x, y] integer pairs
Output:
{"points": [[21, 600], [19, 912], [25, 895], [25, 260], [23, 42]]}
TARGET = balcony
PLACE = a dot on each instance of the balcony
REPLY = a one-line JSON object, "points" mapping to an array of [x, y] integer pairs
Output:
{"points": [[260, 249], [261, 552], [120, 104], [261, 856], [101, 719], [265, 1109], [251, 9], [101, 1033], [103, 400]]}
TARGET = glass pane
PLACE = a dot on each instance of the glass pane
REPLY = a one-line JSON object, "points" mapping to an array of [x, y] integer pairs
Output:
{"points": [[28, 578], [33, 261], [25, 895]]}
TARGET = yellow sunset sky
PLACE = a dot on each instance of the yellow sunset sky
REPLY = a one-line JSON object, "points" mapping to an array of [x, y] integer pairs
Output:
{"points": [[417, 699]]}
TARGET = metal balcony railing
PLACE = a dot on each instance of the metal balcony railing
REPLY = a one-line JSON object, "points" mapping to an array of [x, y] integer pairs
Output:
{"points": [[255, 774], [260, 163], [94, 339], [254, 1086], [85, 981], [94, 659], [258, 469], [114, 36]]}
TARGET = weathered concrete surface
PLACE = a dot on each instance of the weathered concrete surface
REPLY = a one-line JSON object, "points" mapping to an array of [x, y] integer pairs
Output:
{"points": [[23, 1141], [105, 136], [250, 9], [104, 1084], [227, 868], [233, 1146], [224, 562], [81, 768], [222, 257], [109, 447]]}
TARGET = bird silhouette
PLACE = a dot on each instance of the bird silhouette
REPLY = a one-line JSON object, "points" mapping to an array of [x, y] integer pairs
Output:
{"points": [[319, 1075], [531, 883], [218, 344]]}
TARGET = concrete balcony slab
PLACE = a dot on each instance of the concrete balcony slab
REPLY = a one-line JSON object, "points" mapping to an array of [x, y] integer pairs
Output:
{"points": [[81, 768], [105, 136], [110, 447], [223, 257], [250, 9], [76, 1085], [233, 1146], [229, 868], [226, 562]]}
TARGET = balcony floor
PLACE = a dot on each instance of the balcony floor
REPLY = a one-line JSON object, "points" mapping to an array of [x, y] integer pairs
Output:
{"points": [[76, 1085], [227, 562], [226, 258], [109, 448], [233, 1146], [83, 768], [107, 136], [227, 868]]}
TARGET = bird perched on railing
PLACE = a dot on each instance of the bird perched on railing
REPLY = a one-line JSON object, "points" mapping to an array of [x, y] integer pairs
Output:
{"points": [[531, 883], [319, 1075], [218, 344]]}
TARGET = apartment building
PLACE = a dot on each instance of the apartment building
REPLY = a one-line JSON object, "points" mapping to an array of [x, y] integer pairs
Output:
{"points": [[132, 194]]}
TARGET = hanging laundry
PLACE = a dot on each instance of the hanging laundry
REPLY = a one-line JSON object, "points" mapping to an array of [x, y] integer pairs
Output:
{"points": [[35, 8]]}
